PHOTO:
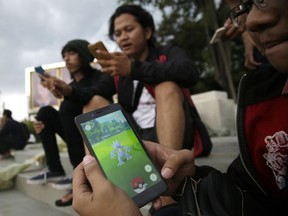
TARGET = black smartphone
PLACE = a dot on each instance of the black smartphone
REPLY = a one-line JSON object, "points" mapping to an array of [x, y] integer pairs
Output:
{"points": [[113, 141]]}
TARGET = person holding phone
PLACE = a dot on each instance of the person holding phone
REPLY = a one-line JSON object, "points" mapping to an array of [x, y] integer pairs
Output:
{"points": [[51, 121], [152, 82], [256, 182]]}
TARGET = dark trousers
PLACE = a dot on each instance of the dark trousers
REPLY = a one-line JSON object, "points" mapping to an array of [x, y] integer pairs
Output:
{"points": [[61, 123], [6, 143]]}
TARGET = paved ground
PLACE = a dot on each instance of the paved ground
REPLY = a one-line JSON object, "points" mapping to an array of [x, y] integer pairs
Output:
{"points": [[14, 203]]}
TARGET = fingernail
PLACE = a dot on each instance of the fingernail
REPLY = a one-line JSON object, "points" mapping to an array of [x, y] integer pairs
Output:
{"points": [[167, 173], [88, 159]]}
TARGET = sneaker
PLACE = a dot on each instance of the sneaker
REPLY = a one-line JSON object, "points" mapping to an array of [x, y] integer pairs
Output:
{"points": [[45, 177], [64, 184]]}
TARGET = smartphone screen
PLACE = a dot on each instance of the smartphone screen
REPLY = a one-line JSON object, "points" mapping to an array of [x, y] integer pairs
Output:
{"points": [[110, 137], [39, 70]]}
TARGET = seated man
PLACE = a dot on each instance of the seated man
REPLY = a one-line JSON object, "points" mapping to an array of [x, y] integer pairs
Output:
{"points": [[11, 135], [152, 83], [51, 122]]}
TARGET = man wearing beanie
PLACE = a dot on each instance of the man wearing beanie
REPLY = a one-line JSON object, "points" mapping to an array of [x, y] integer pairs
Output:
{"points": [[51, 122]]}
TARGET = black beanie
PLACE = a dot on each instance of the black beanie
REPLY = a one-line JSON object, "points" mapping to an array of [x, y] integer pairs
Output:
{"points": [[80, 46]]}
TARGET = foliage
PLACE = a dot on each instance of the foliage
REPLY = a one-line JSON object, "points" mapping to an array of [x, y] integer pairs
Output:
{"points": [[96, 131], [191, 24]]}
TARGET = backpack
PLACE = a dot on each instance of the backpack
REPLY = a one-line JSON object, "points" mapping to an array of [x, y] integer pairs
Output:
{"points": [[201, 141]]}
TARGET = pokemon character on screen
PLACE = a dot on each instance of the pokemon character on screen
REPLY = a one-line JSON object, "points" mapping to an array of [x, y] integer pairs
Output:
{"points": [[121, 152]]}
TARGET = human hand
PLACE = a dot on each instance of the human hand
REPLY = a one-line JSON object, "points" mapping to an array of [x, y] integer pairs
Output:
{"points": [[62, 87], [232, 31], [175, 166], [38, 126], [49, 83], [249, 45], [94, 194], [115, 63]]}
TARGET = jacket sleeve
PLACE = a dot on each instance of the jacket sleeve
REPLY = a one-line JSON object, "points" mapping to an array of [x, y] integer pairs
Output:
{"points": [[103, 86], [178, 68]]}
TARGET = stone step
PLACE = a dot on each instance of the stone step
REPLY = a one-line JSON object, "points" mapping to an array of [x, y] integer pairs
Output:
{"points": [[44, 193], [223, 152]]}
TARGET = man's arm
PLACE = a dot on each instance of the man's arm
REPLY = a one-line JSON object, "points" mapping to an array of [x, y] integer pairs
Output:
{"points": [[178, 68], [103, 86]]}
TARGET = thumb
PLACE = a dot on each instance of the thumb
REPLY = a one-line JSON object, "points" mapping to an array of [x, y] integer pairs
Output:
{"points": [[93, 171]]}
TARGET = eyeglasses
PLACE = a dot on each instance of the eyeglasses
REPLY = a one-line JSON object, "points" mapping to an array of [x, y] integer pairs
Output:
{"points": [[239, 13]]}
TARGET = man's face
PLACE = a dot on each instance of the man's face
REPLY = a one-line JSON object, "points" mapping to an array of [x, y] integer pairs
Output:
{"points": [[130, 36], [72, 61], [269, 26]]}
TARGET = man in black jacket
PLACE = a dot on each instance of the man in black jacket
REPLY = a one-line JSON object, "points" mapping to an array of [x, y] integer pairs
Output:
{"points": [[152, 83], [11, 135], [51, 122]]}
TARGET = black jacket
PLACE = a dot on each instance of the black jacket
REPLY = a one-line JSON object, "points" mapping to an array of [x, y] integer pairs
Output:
{"points": [[241, 191], [178, 68]]}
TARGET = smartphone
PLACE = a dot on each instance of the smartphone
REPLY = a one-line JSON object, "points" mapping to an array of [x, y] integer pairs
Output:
{"points": [[112, 140], [217, 35], [41, 72], [98, 46]]}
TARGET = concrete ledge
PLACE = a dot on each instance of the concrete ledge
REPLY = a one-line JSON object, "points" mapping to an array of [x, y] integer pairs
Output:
{"points": [[216, 111]]}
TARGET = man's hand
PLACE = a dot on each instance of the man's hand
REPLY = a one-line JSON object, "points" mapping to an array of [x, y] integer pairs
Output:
{"points": [[249, 45], [232, 31], [175, 165], [93, 194], [118, 63], [38, 126], [57, 87], [62, 87]]}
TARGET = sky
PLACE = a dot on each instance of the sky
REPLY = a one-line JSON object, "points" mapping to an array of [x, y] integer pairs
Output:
{"points": [[33, 32]]}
